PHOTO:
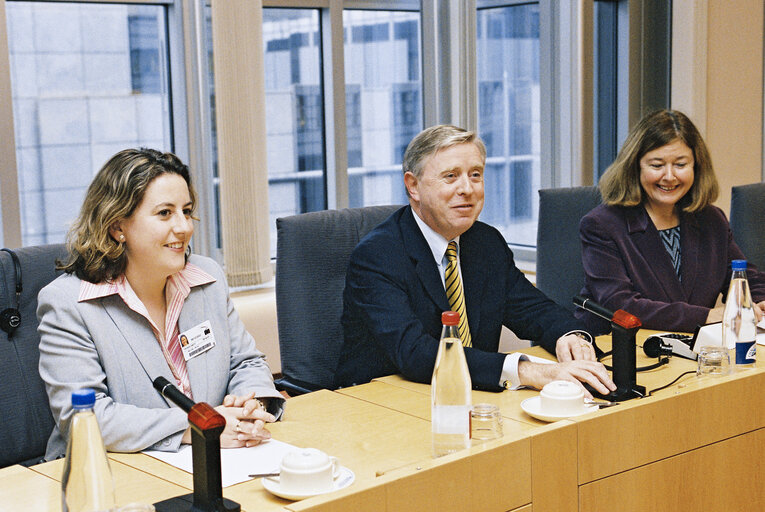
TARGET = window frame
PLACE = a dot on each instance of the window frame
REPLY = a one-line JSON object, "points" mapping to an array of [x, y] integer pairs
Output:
{"points": [[188, 105]]}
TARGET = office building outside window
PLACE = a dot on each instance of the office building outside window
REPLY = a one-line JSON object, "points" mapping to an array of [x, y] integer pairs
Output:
{"points": [[382, 62], [509, 118], [87, 80], [383, 107], [294, 113]]}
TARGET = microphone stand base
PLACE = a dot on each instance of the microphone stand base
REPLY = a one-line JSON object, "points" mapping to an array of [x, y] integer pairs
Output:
{"points": [[185, 503], [619, 395]]}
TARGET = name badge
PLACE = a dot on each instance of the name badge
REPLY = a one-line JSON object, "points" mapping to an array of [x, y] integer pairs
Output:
{"points": [[197, 340]]}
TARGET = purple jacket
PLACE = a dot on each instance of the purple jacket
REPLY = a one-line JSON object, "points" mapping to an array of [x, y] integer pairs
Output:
{"points": [[627, 267]]}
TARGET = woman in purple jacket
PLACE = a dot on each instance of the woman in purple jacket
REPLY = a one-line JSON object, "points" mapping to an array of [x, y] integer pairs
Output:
{"points": [[657, 247]]}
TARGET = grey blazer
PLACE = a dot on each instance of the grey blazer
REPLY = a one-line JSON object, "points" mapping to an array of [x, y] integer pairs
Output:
{"points": [[104, 345]]}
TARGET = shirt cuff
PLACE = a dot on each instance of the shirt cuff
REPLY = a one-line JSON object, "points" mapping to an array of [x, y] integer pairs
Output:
{"points": [[509, 378]]}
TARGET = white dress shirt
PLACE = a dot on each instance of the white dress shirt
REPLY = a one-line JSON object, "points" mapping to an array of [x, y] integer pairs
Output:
{"points": [[438, 245]]}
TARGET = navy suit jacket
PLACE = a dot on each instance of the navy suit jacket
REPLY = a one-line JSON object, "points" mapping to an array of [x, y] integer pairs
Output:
{"points": [[627, 267], [394, 298]]}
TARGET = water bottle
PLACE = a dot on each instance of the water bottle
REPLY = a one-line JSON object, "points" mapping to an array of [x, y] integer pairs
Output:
{"points": [[86, 485], [739, 321], [450, 391]]}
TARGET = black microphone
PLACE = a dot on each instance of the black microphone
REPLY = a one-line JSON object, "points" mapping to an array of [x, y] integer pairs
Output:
{"points": [[168, 390], [593, 307]]}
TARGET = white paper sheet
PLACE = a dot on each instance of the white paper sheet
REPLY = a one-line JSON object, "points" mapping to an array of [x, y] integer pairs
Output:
{"points": [[713, 333], [236, 463]]}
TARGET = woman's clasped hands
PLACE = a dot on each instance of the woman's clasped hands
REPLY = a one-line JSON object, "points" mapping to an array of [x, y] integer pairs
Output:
{"points": [[246, 419]]}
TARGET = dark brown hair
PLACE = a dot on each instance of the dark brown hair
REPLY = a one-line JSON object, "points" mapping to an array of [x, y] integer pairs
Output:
{"points": [[620, 184]]}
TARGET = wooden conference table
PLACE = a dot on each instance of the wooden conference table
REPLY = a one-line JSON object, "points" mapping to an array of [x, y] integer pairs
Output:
{"points": [[697, 445]]}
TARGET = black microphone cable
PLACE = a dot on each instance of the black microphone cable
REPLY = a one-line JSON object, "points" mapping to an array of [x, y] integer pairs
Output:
{"points": [[662, 361], [668, 385]]}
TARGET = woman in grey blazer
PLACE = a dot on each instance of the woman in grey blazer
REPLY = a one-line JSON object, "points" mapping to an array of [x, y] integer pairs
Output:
{"points": [[129, 293], [657, 247]]}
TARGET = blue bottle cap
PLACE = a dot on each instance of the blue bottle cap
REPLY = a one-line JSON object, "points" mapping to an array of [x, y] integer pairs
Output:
{"points": [[83, 398], [738, 265]]}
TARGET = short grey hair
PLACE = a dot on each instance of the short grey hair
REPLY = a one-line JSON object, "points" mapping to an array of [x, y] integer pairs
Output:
{"points": [[430, 140]]}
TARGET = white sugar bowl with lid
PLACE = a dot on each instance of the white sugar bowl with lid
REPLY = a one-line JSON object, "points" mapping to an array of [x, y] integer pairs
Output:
{"points": [[308, 471], [562, 398]]}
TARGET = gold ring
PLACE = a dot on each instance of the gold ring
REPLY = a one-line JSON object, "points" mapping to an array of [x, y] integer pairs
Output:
{"points": [[236, 428]]}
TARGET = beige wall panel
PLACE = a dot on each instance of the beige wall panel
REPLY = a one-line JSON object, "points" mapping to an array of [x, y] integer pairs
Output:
{"points": [[716, 477], [734, 92]]}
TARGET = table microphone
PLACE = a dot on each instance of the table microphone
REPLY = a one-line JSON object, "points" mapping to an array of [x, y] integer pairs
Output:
{"points": [[624, 326], [618, 317], [169, 391], [207, 424], [593, 307]]}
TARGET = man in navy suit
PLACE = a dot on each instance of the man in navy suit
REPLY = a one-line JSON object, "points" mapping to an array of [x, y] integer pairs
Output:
{"points": [[395, 292]]}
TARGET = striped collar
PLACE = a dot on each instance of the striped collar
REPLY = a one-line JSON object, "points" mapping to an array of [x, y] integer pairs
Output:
{"points": [[185, 279]]}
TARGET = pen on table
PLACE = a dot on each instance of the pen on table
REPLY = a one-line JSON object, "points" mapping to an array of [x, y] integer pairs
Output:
{"points": [[262, 475]]}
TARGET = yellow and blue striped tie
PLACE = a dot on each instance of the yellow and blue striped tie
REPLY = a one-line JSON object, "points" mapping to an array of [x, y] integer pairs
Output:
{"points": [[455, 294]]}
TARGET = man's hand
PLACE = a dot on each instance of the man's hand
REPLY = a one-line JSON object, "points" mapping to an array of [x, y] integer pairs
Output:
{"points": [[573, 348], [759, 310], [536, 375]]}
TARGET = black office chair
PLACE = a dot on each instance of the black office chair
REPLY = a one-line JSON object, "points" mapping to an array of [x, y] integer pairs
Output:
{"points": [[747, 211], [26, 421], [312, 254], [560, 274]]}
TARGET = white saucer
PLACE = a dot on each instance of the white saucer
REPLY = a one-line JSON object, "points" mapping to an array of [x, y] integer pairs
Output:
{"points": [[533, 407], [343, 480]]}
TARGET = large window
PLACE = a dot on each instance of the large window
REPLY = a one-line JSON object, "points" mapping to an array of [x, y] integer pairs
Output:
{"points": [[509, 117], [294, 113], [345, 86], [87, 81], [383, 101]]}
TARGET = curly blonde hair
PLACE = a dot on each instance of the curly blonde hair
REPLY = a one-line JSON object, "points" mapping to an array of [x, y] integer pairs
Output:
{"points": [[620, 184], [114, 194]]}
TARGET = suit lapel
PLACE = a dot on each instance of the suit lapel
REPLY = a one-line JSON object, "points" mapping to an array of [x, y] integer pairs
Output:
{"points": [[648, 242], [192, 314], [139, 336], [419, 252]]}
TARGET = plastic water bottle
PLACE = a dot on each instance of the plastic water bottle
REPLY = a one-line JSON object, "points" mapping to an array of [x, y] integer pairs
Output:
{"points": [[739, 322], [87, 484], [450, 391]]}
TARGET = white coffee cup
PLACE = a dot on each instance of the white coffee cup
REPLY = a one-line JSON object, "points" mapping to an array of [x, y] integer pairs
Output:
{"points": [[307, 471], [561, 397]]}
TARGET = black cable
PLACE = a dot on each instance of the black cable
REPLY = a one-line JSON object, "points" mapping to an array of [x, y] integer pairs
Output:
{"points": [[668, 385], [662, 362]]}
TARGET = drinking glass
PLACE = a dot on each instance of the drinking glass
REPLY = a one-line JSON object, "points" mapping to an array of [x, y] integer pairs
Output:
{"points": [[486, 423]]}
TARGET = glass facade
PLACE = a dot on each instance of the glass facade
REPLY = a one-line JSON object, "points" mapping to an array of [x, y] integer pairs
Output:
{"points": [[382, 63], [294, 113], [87, 81], [509, 118], [383, 107]]}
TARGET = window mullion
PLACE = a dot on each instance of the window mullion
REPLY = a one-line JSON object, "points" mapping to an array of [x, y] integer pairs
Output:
{"points": [[449, 57], [335, 134], [9, 187]]}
